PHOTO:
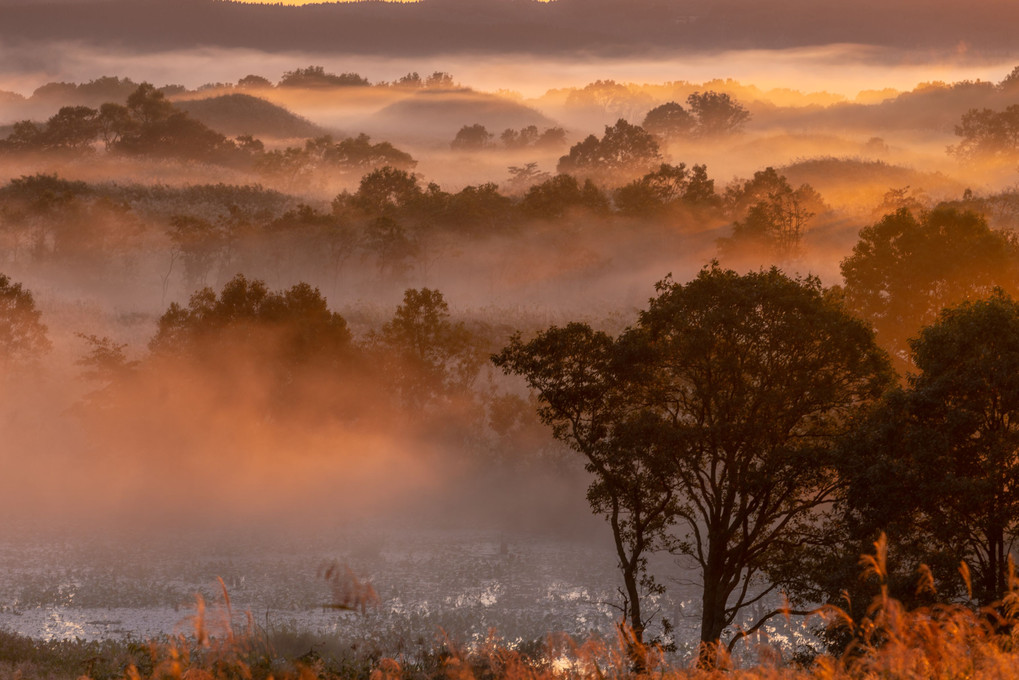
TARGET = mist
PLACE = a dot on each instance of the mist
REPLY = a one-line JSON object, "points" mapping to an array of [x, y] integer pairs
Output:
{"points": [[227, 389]]}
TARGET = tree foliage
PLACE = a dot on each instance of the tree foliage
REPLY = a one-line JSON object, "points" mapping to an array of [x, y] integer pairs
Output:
{"points": [[623, 149], [935, 465], [907, 267], [471, 138], [667, 187], [725, 399], [669, 121], [290, 327], [988, 135], [710, 114], [432, 359], [966, 400], [557, 196], [717, 113], [581, 377], [23, 335], [770, 214], [317, 77]]}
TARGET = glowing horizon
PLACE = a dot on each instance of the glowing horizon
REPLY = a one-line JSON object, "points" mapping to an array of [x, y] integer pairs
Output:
{"points": [[327, 2]]}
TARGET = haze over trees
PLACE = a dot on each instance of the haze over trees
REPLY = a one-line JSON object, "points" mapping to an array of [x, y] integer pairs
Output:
{"points": [[316, 310], [22, 333], [709, 114], [906, 268]]}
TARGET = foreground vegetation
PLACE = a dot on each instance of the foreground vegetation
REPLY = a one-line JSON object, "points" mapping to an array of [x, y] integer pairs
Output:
{"points": [[890, 642]]}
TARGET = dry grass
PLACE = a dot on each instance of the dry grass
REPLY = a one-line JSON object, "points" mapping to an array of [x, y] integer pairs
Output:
{"points": [[941, 642]]}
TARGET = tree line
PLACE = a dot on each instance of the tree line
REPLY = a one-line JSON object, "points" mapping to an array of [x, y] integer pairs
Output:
{"points": [[752, 425]]}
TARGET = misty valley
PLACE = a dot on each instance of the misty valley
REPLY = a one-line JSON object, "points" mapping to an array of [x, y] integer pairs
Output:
{"points": [[312, 375]]}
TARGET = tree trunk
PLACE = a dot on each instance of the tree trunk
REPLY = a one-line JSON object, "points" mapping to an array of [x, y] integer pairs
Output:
{"points": [[713, 602], [631, 613]]}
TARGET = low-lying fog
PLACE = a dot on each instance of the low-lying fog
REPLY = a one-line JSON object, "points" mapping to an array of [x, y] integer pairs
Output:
{"points": [[342, 461]]}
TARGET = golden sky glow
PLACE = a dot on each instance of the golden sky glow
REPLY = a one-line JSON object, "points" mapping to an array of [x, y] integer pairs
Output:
{"points": [[304, 2]]}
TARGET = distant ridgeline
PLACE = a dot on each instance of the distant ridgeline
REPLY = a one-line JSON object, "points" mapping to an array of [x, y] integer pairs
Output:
{"points": [[605, 26]]}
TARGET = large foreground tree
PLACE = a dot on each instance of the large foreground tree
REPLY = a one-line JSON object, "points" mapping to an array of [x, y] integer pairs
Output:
{"points": [[937, 465], [722, 404]]}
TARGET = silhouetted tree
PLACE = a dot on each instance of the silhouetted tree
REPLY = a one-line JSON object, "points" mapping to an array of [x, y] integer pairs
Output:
{"points": [[624, 149], [667, 187], [720, 408], [73, 129], [555, 197], [293, 326], [988, 135], [386, 190], [609, 97], [965, 399], [471, 138], [582, 378], [523, 177], [254, 82], [197, 242], [773, 215], [440, 80], [434, 359], [934, 465], [669, 121], [530, 137], [907, 267], [392, 246], [480, 208], [717, 113], [353, 155], [752, 379], [317, 77]]}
